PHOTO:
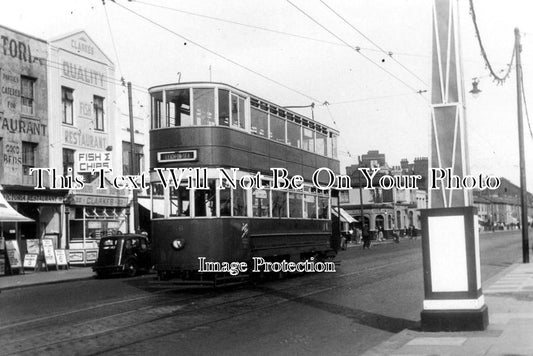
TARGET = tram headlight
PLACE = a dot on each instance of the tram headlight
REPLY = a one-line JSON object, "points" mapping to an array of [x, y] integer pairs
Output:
{"points": [[178, 244]]}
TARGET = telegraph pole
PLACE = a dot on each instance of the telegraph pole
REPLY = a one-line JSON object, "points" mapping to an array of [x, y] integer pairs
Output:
{"points": [[132, 161], [523, 188]]}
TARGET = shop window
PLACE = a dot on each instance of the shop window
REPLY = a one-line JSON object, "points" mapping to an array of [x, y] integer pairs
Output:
{"points": [[259, 122], [98, 106], [68, 161], [178, 108], [240, 205], [29, 150], [277, 129], [179, 201], [205, 200], [223, 107], [138, 159], [204, 107], [279, 203], [67, 101], [237, 111], [294, 134], [27, 95]]}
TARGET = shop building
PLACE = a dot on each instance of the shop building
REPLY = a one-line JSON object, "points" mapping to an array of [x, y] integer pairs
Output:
{"points": [[82, 111], [25, 138]]}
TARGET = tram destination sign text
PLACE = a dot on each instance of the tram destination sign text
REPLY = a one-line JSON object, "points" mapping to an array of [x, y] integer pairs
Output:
{"points": [[177, 156]]}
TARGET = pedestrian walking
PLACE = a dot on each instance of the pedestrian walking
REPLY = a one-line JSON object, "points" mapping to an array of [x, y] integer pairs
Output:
{"points": [[366, 237]]}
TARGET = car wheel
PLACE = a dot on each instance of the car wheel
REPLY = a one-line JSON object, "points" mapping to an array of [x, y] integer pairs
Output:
{"points": [[130, 268]]}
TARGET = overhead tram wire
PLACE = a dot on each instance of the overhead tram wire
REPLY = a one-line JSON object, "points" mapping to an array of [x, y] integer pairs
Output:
{"points": [[359, 52], [388, 53], [217, 54], [255, 27]]}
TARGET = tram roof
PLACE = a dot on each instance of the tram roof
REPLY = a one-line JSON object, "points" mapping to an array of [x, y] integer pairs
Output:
{"points": [[242, 92]]}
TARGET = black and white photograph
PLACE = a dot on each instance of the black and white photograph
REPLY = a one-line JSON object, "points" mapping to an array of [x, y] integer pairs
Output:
{"points": [[287, 177]]}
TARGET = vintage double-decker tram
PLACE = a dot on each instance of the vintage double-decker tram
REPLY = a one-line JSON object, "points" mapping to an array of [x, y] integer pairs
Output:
{"points": [[209, 126]]}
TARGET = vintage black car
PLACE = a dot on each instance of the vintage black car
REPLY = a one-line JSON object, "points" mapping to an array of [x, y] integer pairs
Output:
{"points": [[128, 254]]}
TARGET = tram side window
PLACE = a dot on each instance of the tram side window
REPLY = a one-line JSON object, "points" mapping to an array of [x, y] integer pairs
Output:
{"points": [[334, 146], [294, 134], [157, 103], [237, 111], [259, 122], [158, 201], [310, 205], [205, 200], [240, 207], [204, 106], [277, 128], [323, 207], [295, 205], [261, 203], [279, 203], [308, 139], [179, 201], [225, 200], [178, 107], [321, 144], [223, 107]]}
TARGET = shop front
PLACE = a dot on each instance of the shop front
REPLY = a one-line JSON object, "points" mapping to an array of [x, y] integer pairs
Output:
{"points": [[92, 214]]}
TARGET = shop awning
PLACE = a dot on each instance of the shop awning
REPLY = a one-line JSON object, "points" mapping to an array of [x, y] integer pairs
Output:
{"points": [[345, 217], [8, 214]]}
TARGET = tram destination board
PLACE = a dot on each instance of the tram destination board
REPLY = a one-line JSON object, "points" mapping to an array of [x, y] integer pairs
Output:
{"points": [[177, 156]]}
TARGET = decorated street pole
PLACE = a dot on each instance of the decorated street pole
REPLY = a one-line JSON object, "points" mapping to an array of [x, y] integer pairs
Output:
{"points": [[453, 299]]}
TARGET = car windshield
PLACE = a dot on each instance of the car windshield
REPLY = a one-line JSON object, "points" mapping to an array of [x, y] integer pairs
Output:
{"points": [[108, 244]]}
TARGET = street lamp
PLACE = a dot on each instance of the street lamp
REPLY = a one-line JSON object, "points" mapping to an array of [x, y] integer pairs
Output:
{"points": [[475, 90]]}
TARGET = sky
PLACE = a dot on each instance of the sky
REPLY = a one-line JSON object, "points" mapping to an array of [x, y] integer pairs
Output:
{"points": [[275, 51]]}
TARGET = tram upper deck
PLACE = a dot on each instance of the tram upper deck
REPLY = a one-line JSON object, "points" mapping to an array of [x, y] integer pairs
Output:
{"points": [[216, 125]]}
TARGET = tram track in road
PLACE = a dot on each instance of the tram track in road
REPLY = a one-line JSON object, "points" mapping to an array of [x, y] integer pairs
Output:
{"points": [[118, 331]]}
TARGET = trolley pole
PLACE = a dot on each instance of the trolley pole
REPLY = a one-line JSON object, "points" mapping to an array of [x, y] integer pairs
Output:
{"points": [[132, 161], [523, 189]]}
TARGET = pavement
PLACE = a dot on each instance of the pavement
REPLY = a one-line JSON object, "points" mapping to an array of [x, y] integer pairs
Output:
{"points": [[31, 278], [509, 297]]}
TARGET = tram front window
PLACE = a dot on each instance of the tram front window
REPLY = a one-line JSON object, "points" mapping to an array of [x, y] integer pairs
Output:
{"points": [[321, 146], [158, 201], [178, 107], [223, 107], [179, 201], [225, 200], [205, 200], [277, 129], [237, 111], [204, 106], [310, 203]]}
